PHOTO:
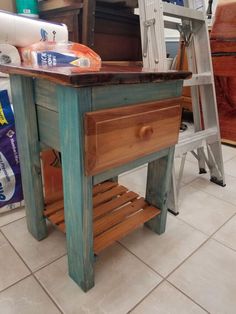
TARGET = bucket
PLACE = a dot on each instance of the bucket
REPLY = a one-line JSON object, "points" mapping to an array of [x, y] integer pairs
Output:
{"points": [[27, 8]]}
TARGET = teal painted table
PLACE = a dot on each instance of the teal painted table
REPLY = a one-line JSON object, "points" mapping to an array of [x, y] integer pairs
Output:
{"points": [[56, 108]]}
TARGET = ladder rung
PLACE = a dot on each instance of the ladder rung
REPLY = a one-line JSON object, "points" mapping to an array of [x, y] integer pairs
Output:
{"points": [[204, 78], [182, 12], [196, 140]]}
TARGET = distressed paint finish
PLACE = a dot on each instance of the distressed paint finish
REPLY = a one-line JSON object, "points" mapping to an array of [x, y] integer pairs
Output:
{"points": [[122, 95], [48, 126], [158, 185], [60, 113], [128, 94], [73, 103], [103, 176], [29, 153]]}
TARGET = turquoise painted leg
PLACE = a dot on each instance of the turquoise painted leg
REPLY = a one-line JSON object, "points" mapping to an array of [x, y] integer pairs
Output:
{"points": [[158, 185], [29, 153], [73, 103]]}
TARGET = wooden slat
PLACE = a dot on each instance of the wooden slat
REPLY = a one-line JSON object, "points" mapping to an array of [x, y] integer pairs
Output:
{"points": [[53, 208], [58, 217], [117, 232], [115, 203], [106, 196], [117, 216], [113, 218], [101, 188]]}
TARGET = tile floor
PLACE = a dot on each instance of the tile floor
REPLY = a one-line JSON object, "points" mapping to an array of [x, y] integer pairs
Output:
{"points": [[191, 268]]}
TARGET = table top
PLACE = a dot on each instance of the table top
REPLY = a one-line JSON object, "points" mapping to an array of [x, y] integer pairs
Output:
{"points": [[108, 75]]}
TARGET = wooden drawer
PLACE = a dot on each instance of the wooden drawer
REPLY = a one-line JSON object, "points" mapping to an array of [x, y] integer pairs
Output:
{"points": [[117, 136]]}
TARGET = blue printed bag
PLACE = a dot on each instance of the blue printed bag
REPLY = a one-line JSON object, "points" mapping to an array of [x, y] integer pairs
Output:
{"points": [[10, 176]]}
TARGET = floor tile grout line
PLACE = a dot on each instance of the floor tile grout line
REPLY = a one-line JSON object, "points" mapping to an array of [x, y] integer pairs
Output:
{"points": [[31, 272], [186, 295], [124, 247], [21, 258], [48, 294], [25, 263], [203, 190], [146, 296], [49, 263], [11, 222], [204, 233], [228, 247], [203, 243], [223, 225], [188, 257], [15, 283]]}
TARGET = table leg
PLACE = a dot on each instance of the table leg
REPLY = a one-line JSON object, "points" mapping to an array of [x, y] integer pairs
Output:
{"points": [[29, 153], [77, 187], [158, 185]]}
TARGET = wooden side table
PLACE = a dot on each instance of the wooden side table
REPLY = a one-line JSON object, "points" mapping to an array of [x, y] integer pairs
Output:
{"points": [[103, 123]]}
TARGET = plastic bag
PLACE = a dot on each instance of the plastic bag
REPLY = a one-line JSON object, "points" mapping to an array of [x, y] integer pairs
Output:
{"points": [[10, 176], [51, 54]]}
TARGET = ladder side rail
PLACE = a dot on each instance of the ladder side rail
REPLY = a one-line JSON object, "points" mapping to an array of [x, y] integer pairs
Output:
{"points": [[151, 12]]}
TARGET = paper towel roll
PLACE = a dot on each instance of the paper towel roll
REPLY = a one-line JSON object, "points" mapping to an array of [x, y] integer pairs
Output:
{"points": [[22, 31], [9, 54]]}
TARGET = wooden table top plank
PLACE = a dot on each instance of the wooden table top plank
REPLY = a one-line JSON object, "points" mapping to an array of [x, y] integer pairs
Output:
{"points": [[108, 75]]}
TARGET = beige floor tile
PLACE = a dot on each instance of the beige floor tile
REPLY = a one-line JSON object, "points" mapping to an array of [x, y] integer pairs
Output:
{"points": [[228, 152], [164, 252], [135, 180], [166, 299], [35, 253], [191, 158], [26, 297], [227, 234], [203, 211], [226, 193], [230, 167], [12, 268], [121, 281], [191, 171], [12, 215], [209, 277]]}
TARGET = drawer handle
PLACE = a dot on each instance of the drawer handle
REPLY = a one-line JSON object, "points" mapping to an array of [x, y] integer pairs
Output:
{"points": [[145, 132]]}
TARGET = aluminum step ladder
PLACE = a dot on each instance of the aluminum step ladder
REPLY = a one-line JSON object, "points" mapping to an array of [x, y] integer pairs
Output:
{"points": [[191, 21]]}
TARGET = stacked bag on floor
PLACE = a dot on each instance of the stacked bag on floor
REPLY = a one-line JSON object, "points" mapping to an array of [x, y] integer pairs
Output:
{"points": [[10, 176]]}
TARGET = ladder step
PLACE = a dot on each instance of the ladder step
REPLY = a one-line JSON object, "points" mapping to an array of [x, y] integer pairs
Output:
{"points": [[193, 141], [182, 12], [204, 78]]}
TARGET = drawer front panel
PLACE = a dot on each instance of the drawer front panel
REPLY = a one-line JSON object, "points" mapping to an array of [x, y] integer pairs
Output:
{"points": [[117, 136]]}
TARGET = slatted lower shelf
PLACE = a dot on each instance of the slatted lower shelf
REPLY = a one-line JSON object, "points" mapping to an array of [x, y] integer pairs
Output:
{"points": [[116, 212]]}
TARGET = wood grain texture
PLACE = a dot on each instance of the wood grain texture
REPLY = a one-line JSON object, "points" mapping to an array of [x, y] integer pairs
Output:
{"points": [[108, 195], [122, 229], [98, 178], [108, 75], [48, 127], [117, 216], [77, 187], [157, 189], [112, 220], [28, 146], [122, 95], [116, 136], [45, 94], [128, 94], [109, 206]]}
